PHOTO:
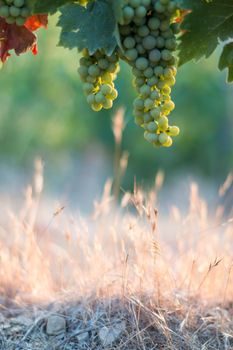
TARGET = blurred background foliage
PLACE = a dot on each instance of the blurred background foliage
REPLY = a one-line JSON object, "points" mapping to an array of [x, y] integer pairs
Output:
{"points": [[44, 112]]}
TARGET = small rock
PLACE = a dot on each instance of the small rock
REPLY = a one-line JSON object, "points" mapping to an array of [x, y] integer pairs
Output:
{"points": [[55, 325], [83, 337], [109, 335]]}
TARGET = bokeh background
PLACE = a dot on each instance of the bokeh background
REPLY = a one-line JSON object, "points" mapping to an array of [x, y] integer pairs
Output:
{"points": [[43, 112]]}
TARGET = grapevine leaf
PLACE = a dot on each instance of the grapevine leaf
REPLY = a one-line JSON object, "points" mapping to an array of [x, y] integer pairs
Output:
{"points": [[226, 60], [92, 27], [17, 38], [117, 8], [206, 25], [46, 6]]}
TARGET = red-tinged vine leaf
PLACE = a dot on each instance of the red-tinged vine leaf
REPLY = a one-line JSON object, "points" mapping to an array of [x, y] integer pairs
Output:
{"points": [[226, 61], [207, 24], [36, 21], [20, 38]]}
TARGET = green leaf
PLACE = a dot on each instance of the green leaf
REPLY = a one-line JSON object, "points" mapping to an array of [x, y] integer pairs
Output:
{"points": [[46, 6], [92, 27], [226, 61], [205, 26]]}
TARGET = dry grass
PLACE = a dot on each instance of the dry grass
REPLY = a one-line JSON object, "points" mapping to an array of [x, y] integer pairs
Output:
{"points": [[169, 279]]}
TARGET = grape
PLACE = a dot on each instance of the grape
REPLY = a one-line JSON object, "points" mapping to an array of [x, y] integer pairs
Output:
{"points": [[151, 137], [140, 12], [147, 32], [155, 55], [142, 63], [4, 11], [148, 72], [98, 73], [155, 113], [128, 13], [168, 143], [159, 7], [174, 131], [152, 127], [143, 31], [163, 123], [134, 3], [163, 137], [129, 42], [149, 42], [154, 23], [19, 3], [20, 21], [131, 55], [14, 11]]}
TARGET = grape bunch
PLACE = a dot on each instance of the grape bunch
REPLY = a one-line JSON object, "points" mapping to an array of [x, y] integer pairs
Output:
{"points": [[98, 72], [14, 11], [148, 36]]}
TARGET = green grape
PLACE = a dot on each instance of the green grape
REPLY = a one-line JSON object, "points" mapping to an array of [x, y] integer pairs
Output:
{"points": [[138, 103], [166, 90], [164, 25], [100, 98], [4, 11], [14, 11], [139, 120], [20, 21], [149, 42], [107, 104], [165, 2], [155, 113], [91, 99], [103, 63], [134, 3], [168, 143], [10, 20], [154, 23], [160, 42], [159, 7], [131, 54], [170, 44], [142, 63], [140, 49], [140, 11], [163, 137], [152, 127], [145, 90], [106, 89], [143, 31], [129, 42], [152, 81], [174, 131], [149, 103], [96, 106], [148, 72], [154, 95], [128, 13], [148, 37], [163, 123], [146, 3], [113, 95], [151, 137], [155, 55], [98, 72], [19, 3], [147, 118], [139, 82]]}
